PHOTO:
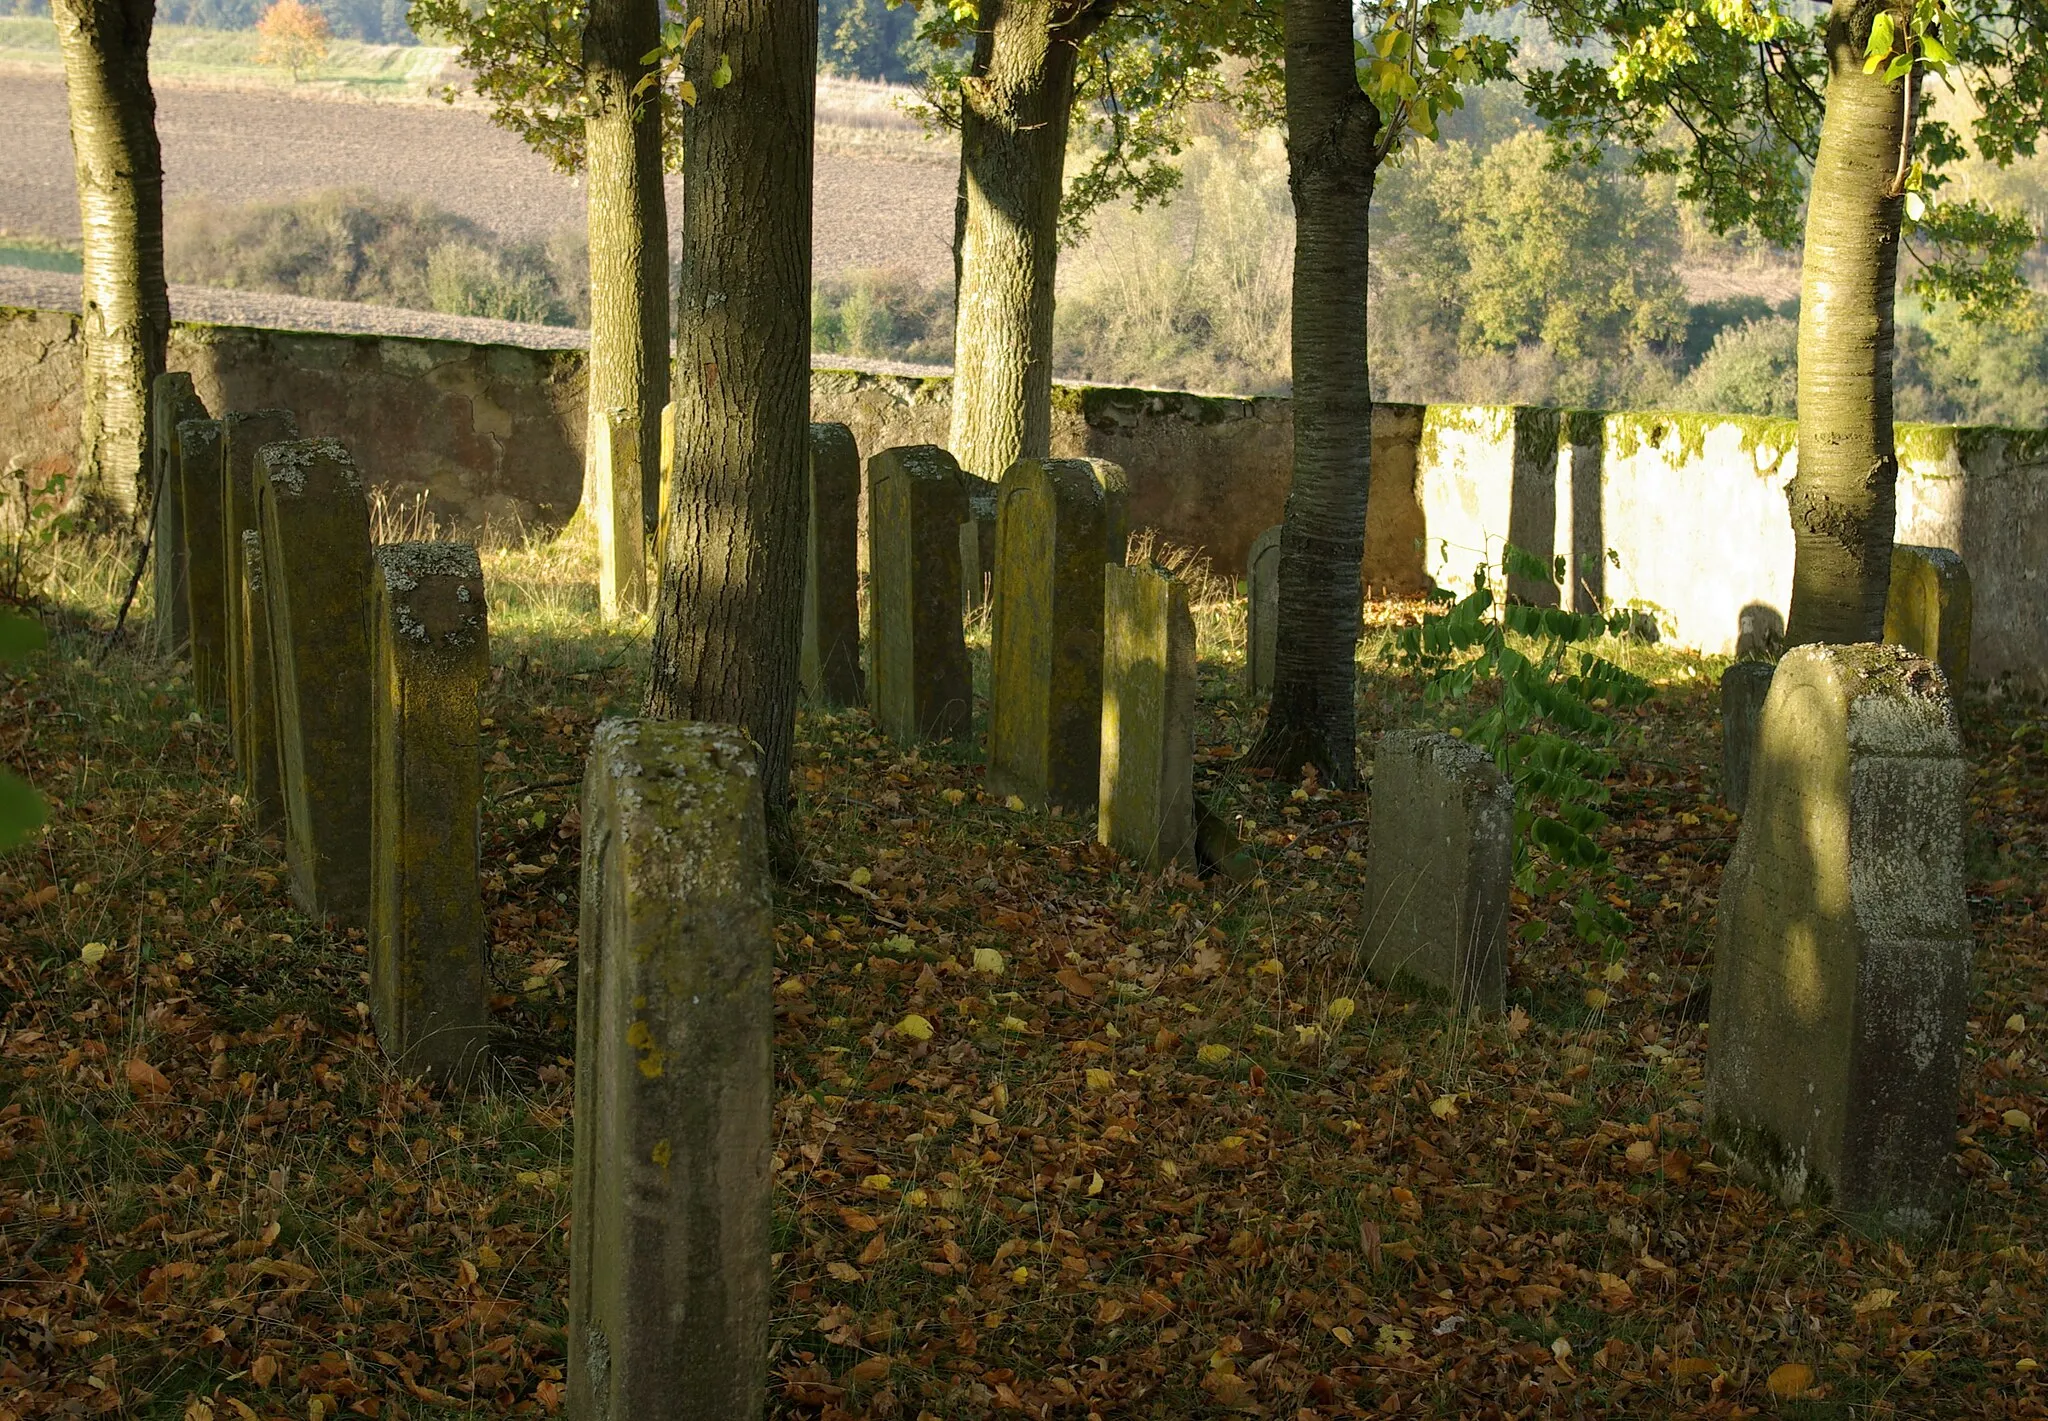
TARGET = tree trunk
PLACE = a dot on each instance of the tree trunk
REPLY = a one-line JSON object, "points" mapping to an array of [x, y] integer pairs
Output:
{"points": [[126, 312], [1016, 103], [725, 634], [1842, 496], [628, 210], [1332, 157]]}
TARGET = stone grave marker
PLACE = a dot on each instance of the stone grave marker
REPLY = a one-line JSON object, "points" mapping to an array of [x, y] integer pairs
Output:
{"points": [[621, 535], [172, 401], [1928, 610], [316, 576], [669, 1271], [1842, 968], [829, 657], [1743, 688], [242, 434], [201, 478], [919, 682], [1438, 868], [1058, 522], [978, 542], [430, 659], [1262, 612], [1147, 785], [255, 730]]}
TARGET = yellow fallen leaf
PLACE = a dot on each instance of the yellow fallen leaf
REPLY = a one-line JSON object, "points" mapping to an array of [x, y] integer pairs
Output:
{"points": [[876, 1182], [1597, 999], [1444, 1107], [1307, 1035], [915, 1027], [487, 1257], [1269, 968], [2018, 1119], [1094, 1184], [1020, 1274], [1877, 1299], [1213, 1054], [1687, 1368], [91, 953], [2015, 1022], [1792, 1379], [1015, 804], [954, 796], [844, 1272], [989, 962], [860, 878], [1919, 1358], [1340, 1010], [1015, 1023], [1100, 1081], [1344, 1335], [1561, 1349], [1615, 971]]}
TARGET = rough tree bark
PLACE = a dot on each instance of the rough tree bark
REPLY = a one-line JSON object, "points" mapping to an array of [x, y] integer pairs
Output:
{"points": [[1016, 105], [725, 634], [628, 214], [1333, 133], [126, 310], [1842, 496]]}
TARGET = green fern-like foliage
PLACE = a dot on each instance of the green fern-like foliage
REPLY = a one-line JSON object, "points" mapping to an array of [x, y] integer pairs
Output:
{"points": [[22, 810]]}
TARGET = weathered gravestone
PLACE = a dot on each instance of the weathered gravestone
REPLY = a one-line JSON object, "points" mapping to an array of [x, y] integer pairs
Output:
{"points": [[1438, 869], [978, 542], [1058, 522], [316, 575], [616, 517], [1928, 611], [200, 476], [828, 659], [669, 1276], [171, 402], [918, 678], [431, 655], [1262, 612], [1147, 786], [1743, 688], [1842, 968], [255, 730], [242, 433]]}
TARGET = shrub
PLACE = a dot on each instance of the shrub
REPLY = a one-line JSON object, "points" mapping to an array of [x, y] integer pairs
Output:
{"points": [[294, 35], [1752, 368], [882, 315]]}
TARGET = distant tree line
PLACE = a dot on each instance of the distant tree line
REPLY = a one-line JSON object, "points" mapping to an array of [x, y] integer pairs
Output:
{"points": [[370, 21]]}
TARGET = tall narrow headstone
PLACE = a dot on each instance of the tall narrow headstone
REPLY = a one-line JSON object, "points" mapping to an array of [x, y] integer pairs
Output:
{"points": [[919, 681], [1438, 868], [1147, 786], [171, 402], [255, 730], [430, 660], [621, 538], [316, 572], [1928, 611], [978, 542], [829, 655], [242, 433], [666, 489], [1743, 688], [1842, 970], [1058, 522], [201, 482], [675, 1090], [1262, 612]]}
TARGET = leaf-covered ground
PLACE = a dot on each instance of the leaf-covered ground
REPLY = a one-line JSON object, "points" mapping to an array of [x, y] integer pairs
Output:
{"points": [[1145, 1164]]}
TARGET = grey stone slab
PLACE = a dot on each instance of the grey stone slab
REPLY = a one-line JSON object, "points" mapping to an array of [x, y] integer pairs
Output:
{"points": [[1262, 612], [829, 655], [201, 477], [242, 434], [1929, 610], [255, 727], [1147, 788], [1743, 688], [919, 681], [172, 401]]}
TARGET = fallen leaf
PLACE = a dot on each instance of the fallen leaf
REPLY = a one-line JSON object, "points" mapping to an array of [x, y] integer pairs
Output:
{"points": [[915, 1027], [1791, 1379], [145, 1079]]}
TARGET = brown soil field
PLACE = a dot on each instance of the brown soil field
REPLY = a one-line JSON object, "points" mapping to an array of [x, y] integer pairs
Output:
{"points": [[886, 203]]}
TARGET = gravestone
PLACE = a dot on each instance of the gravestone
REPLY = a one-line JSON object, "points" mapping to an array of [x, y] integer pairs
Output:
{"points": [[316, 576], [1743, 688], [621, 537], [1842, 968], [242, 433], [1928, 610], [829, 657], [978, 542], [201, 479], [1147, 785], [918, 678], [669, 1257], [1438, 868], [171, 402], [255, 730], [1262, 612], [431, 656], [1058, 522]]}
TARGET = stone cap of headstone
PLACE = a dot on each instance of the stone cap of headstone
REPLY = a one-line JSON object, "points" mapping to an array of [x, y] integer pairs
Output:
{"points": [[669, 775], [405, 566], [287, 464], [1743, 688]]}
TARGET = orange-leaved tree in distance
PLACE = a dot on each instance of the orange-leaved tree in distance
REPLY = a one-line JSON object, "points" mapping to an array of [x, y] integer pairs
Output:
{"points": [[294, 35]]}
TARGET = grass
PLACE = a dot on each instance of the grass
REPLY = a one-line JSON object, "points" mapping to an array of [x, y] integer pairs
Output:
{"points": [[39, 253], [216, 1201], [190, 52]]}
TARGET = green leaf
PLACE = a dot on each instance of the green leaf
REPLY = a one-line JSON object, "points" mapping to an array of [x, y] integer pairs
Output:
{"points": [[722, 75], [19, 636], [22, 811], [1882, 30]]}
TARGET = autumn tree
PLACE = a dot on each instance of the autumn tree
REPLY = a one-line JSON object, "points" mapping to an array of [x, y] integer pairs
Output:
{"points": [[293, 34], [125, 312]]}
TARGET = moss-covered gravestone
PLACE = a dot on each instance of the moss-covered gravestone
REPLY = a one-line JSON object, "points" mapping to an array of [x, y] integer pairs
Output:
{"points": [[616, 519], [172, 401], [255, 730], [978, 542], [1147, 785], [1842, 970], [1438, 868], [201, 480], [1262, 612], [918, 678], [242, 433], [430, 657], [828, 658], [669, 1273], [316, 574], [1929, 606], [1058, 522], [1743, 688]]}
